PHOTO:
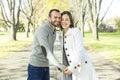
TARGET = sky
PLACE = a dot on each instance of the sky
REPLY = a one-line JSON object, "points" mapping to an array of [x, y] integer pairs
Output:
{"points": [[114, 9]]}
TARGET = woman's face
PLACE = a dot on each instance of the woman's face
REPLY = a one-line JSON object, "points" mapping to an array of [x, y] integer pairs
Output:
{"points": [[65, 22]]}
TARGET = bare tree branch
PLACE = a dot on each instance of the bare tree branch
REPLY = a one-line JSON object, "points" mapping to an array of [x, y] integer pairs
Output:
{"points": [[4, 14], [107, 10], [90, 9]]}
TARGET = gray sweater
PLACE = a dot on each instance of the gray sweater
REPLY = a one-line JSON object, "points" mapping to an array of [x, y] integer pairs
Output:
{"points": [[43, 45]]}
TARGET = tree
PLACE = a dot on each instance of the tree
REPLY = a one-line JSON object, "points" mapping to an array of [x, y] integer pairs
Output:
{"points": [[10, 15], [29, 11], [88, 11], [79, 12], [58, 4], [117, 23], [94, 7], [36, 11]]}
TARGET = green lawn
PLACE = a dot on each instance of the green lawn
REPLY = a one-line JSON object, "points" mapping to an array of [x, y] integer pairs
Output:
{"points": [[107, 45], [8, 47]]}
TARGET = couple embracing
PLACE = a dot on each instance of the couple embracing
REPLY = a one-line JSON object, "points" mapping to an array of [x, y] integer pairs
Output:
{"points": [[76, 63]]}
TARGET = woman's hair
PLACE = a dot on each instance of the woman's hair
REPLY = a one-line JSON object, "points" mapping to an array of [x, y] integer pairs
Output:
{"points": [[70, 16]]}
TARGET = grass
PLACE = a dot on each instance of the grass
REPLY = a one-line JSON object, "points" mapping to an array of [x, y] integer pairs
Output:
{"points": [[107, 45], [7, 47]]}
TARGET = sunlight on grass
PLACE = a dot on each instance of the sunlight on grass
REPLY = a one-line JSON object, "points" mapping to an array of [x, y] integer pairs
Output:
{"points": [[108, 45], [8, 47]]}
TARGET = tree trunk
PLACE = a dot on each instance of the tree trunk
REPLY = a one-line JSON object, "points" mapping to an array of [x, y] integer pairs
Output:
{"points": [[12, 33], [95, 32], [28, 29], [82, 22], [82, 30]]}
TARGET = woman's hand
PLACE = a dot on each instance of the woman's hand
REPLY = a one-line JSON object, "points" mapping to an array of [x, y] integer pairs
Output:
{"points": [[67, 71]]}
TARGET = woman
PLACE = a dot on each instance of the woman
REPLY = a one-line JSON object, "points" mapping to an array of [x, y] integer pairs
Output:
{"points": [[77, 60]]}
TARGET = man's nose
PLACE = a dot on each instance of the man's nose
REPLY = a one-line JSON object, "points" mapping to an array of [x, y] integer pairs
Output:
{"points": [[58, 19]]}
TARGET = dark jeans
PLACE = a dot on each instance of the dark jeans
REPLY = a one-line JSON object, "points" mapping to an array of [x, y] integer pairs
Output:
{"points": [[38, 73]]}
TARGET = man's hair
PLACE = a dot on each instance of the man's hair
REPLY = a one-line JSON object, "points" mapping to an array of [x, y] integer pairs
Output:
{"points": [[52, 11]]}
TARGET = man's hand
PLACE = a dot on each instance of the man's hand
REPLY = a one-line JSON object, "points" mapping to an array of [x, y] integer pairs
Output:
{"points": [[59, 69], [67, 71]]}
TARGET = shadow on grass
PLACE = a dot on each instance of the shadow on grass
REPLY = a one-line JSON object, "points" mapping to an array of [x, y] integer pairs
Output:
{"points": [[17, 51], [20, 51], [2, 34], [115, 66], [118, 69]]}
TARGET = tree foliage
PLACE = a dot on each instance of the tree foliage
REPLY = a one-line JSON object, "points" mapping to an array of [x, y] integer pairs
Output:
{"points": [[36, 11], [57, 4], [115, 22]]}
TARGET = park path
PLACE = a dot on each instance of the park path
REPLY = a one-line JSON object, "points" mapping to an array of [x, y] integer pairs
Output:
{"points": [[14, 66], [106, 70]]}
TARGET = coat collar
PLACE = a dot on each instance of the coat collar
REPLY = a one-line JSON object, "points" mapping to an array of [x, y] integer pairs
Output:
{"points": [[69, 32]]}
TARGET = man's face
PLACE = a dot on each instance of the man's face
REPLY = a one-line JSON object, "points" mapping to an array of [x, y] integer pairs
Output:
{"points": [[55, 18]]}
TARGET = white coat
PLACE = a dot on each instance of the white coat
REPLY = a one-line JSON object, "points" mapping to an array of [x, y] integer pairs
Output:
{"points": [[80, 64]]}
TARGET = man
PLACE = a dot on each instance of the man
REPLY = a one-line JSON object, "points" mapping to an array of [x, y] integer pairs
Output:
{"points": [[42, 49]]}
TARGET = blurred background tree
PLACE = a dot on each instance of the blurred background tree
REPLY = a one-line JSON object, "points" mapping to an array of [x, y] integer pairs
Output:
{"points": [[10, 11], [32, 13]]}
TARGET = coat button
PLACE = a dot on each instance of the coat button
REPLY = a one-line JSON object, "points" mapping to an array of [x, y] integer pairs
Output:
{"points": [[65, 36], [78, 65], [75, 67], [85, 61], [65, 42], [69, 61], [65, 48], [68, 55]]}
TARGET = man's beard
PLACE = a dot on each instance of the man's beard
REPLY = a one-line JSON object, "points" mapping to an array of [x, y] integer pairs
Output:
{"points": [[55, 24]]}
